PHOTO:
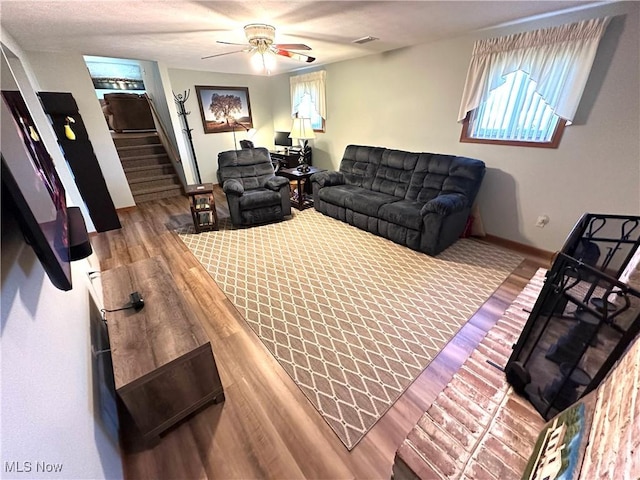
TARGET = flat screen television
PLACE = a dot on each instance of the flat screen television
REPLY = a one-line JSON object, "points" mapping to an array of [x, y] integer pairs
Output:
{"points": [[282, 139], [33, 191]]}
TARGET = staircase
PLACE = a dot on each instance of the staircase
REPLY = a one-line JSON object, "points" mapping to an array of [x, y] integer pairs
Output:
{"points": [[149, 171]]}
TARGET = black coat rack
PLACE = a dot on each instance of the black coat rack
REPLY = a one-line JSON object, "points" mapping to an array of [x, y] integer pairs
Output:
{"points": [[180, 100]]}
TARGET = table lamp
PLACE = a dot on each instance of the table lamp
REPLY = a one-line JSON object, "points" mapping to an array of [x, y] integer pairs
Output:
{"points": [[303, 131]]}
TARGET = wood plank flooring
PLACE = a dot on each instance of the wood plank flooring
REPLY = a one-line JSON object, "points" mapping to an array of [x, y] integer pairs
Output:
{"points": [[266, 428]]}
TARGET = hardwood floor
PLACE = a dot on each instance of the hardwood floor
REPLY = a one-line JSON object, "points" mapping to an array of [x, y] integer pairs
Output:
{"points": [[266, 428]]}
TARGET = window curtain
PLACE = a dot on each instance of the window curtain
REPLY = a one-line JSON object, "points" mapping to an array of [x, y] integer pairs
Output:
{"points": [[558, 59], [312, 84]]}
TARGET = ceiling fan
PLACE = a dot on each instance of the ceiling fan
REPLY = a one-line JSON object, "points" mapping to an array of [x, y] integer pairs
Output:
{"points": [[262, 49]]}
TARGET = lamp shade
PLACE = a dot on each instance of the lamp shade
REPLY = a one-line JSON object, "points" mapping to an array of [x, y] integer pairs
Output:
{"points": [[302, 129]]}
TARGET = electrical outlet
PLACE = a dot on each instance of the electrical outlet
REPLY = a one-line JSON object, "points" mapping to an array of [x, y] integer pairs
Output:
{"points": [[542, 221]]}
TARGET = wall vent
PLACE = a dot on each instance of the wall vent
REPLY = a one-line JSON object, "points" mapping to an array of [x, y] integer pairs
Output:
{"points": [[366, 39]]}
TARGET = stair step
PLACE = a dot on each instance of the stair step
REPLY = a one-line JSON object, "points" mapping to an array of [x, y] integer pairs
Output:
{"points": [[135, 139], [145, 160], [140, 150], [155, 193], [129, 148], [148, 171], [153, 181], [157, 189]]}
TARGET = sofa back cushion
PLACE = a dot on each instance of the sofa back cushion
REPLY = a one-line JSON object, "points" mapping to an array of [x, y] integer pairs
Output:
{"points": [[436, 173], [394, 173], [250, 166], [359, 164]]}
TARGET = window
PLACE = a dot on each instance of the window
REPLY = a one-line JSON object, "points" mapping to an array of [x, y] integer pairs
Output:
{"points": [[514, 114], [523, 89], [308, 98], [307, 109], [114, 75]]}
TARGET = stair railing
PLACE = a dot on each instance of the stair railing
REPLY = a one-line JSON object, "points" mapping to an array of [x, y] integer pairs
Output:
{"points": [[172, 153]]}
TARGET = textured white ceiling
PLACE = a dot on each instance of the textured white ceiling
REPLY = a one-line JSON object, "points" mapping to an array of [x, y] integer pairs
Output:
{"points": [[180, 33]]}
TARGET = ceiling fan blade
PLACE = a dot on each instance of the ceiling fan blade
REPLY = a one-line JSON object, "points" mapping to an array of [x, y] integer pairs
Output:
{"points": [[229, 43], [221, 54], [292, 46], [301, 57]]}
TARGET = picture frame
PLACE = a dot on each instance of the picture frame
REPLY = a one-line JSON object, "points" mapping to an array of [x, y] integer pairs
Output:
{"points": [[224, 109]]}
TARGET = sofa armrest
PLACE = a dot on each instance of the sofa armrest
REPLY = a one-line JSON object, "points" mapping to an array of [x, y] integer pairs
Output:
{"points": [[327, 178], [276, 183], [445, 204], [233, 187]]}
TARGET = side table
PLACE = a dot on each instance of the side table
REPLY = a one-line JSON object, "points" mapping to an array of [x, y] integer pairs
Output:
{"points": [[302, 200], [203, 207]]}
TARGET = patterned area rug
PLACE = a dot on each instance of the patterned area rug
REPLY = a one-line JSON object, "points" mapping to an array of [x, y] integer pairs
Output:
{"points": [[352, 317]]}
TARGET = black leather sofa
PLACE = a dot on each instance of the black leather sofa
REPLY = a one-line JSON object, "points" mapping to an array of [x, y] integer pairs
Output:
{"points": [[420, 200]]}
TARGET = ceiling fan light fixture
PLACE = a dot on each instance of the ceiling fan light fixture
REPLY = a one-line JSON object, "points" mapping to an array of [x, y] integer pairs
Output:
{"points": [[256, 61], [263, 51], [269, 60], [261, 36], [263, 61], [260, 33]]}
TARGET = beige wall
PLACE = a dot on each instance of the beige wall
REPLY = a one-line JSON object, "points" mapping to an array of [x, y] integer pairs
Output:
{"points": [[48, 410], [208, 145], [404, 99], [67, 72], [409, 99]]}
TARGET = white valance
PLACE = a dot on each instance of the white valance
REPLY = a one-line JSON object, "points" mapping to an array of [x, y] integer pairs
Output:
{"points": [[558, 59], [312, 84]]}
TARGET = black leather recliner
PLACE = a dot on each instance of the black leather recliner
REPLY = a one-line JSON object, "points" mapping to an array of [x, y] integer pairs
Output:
{"points": [[254, 193]]}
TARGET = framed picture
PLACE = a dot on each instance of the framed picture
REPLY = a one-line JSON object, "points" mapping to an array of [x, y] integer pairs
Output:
{"points": [[224, 109]]}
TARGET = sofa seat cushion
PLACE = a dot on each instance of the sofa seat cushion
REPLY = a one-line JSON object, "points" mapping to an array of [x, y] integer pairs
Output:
{"points": [[368, 202], [259, 197], [404, 213], [338, 194]]}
